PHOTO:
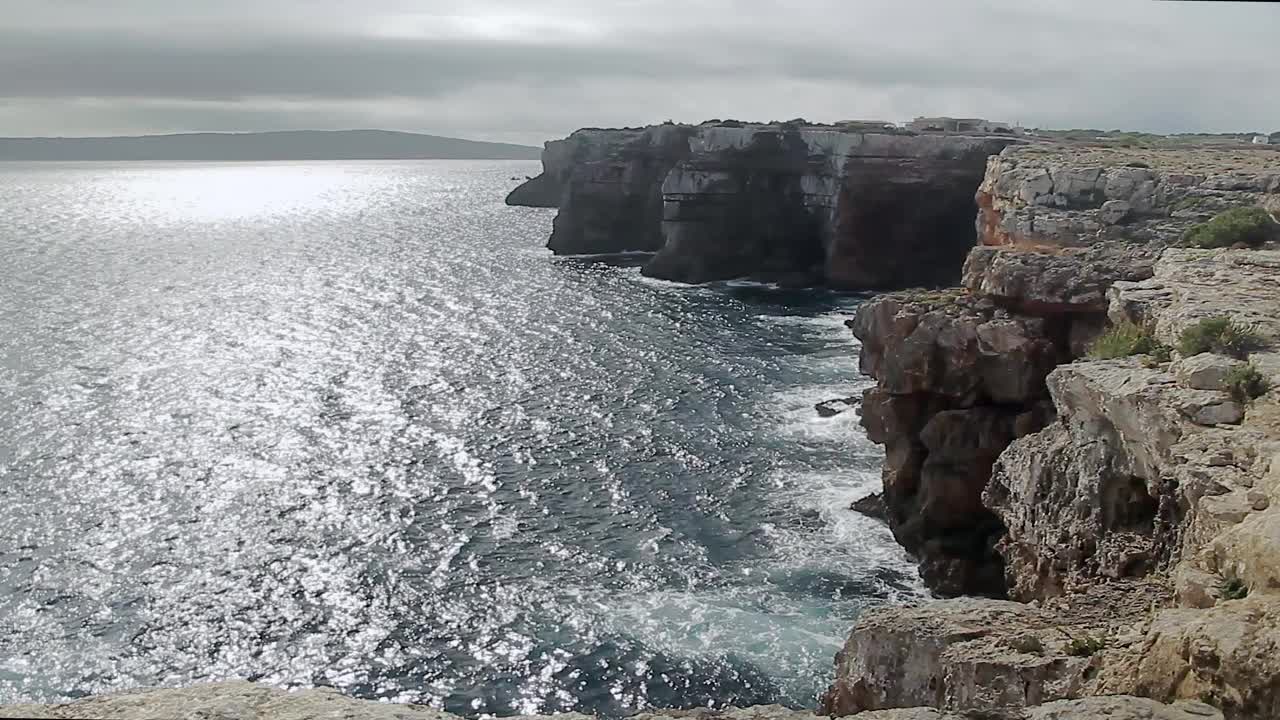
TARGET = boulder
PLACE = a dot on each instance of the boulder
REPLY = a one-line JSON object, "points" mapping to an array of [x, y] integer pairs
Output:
{"points": [[1206, 371], [953, 655], [1228, 654]]}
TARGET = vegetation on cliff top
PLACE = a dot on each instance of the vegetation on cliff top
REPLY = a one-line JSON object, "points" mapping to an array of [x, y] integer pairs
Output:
{"points": [[1251, 226], [1124, 340], [1245, 383], [1220, 335]]}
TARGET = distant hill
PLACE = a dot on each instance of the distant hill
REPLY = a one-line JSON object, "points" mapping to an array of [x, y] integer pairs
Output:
{"points": [[285, 145]]}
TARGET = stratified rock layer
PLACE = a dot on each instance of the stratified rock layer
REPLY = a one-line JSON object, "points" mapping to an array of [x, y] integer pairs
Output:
{"points": [[796, 204]]}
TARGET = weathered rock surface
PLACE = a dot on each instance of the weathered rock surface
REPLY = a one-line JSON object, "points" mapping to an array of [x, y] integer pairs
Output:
{"points": [[249, 701], [958, 380], [560, 157], [1228, 654], [1074, 196], [801, 205], [988, 655], [1064, 281]]}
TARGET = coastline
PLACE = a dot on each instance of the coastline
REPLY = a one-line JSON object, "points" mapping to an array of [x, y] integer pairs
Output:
{"points": [[1125, 505]]}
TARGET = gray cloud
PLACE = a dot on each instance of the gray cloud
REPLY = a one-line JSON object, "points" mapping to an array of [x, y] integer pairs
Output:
{"points": [[495, 69]]}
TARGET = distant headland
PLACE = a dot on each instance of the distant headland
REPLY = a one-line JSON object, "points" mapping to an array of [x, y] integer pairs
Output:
{"points": [[263, 146]]}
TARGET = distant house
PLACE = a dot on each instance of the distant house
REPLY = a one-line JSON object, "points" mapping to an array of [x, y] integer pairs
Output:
{"points": [[970, 125], [867, 125], [1261, 139]]}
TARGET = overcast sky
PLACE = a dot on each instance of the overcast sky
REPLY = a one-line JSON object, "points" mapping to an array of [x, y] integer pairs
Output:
{"points": [[529, 70]]}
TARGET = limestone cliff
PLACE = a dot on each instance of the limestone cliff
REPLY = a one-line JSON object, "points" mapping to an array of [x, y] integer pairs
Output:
{"points": [[1131, 500], [796, 204], [558, 160]]}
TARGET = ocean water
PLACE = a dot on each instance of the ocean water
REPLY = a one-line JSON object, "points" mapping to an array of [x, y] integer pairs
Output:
{"points": [[350, 425]]}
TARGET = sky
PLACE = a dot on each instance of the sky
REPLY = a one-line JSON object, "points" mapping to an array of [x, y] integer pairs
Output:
{"points": [[529, 70]]}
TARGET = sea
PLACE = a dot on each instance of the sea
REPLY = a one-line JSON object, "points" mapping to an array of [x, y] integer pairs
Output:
{"points": [[351, 425]]}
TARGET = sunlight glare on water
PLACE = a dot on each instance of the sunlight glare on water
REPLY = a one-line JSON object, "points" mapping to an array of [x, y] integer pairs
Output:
{"points": [[349, 424]]}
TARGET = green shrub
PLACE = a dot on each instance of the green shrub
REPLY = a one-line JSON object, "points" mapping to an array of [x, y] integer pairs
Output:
{"points": [[1219, 335], [1085, 646], [1233, 589], [1251, 226], [1245, 383], [1124, 340]]}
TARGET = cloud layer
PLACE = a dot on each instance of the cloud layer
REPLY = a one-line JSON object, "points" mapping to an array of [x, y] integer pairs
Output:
{"points": [[493, 69]]}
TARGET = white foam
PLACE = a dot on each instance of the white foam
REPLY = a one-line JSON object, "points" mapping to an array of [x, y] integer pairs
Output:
{"points": [[848, 542], [619, 254], [784, 637], [798, 417], [665, 284]]}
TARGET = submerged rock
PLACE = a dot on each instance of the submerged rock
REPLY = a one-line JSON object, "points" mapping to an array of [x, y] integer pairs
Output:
{"points": [[872, 506], [831, 408]]}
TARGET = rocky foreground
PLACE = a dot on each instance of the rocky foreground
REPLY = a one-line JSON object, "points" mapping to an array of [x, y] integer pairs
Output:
{"points": [[247, 701], [1066, 443]]}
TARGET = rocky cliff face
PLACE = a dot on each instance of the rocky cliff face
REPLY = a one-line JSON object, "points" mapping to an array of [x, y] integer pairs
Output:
{"points": [[1130, 501], [559, 157], [961, 374], [799, 205], [613, 189]]}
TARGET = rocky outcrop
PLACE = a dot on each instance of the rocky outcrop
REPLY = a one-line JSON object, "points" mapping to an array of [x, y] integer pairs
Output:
{"points": [[974, 654], [961, 374], [958, 379], [612, 189], [560, 157], [1136, 516], [796, 204], [249, 701]]}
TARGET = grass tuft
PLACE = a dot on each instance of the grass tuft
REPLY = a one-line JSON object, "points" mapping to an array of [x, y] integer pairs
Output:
{"points": [[1124, 340]]}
